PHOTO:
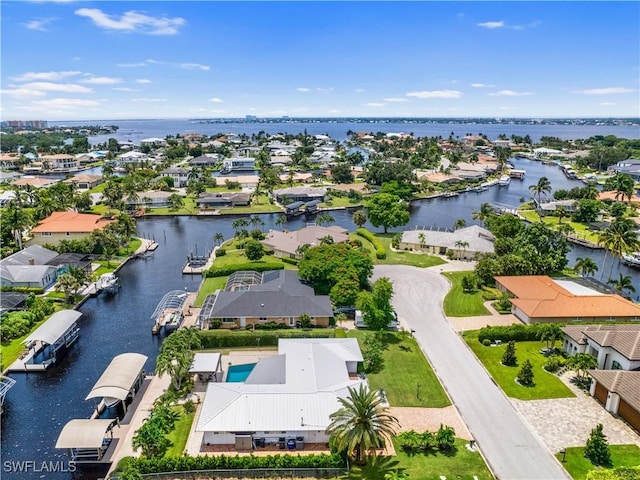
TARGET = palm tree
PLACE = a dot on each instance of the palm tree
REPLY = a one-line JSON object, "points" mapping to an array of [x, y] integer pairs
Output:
{"points": [[541, 188], [281, 220], [362, 423], [68, 284], [459, 223], [485, 211], [218, 238], [239, 225], [623, 283], [18, 220], [461, 245], [620, 238], [422, 239], [561, 212], [255, 221], [325, 220], [585, 266], [359, 218]]}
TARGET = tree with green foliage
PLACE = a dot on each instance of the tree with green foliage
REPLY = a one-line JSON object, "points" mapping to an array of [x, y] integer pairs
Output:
{"points": [[325, 219], [585, 266], [345, 291], [69, 285], [341, 173], [468, 283], [581, 363], [445, 438], [176, 355], [360, 218], [525, 375], [543, 187], [597, 448], [373, 359], [509, 358], [549, 333], [376, 307], [175, 202], [387, 210], [362, 423], [253, 249], [623, 283], [402, 190], [324, 265]]}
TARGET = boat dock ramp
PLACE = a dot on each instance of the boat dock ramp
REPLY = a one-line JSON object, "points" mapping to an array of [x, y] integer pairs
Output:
{"points": [[198, 264]]}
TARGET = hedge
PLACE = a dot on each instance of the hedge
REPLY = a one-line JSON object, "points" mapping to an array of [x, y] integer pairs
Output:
{"points": [[247, 338], [228, 270], [186, 463], [290, 261], [381, 252], [34, 290], [518, 333]]}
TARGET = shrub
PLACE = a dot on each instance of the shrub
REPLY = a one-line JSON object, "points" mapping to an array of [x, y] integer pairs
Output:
{"points": [[597, 448], [269, 326], [519, 333], [245, 338], [486, 342], [554, 363], [221, 252], [509, 358], [189, 406], [289, 260], [525, 376], [228, 270], [381, 252]]}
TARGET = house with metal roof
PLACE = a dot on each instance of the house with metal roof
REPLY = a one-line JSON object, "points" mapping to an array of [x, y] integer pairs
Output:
{"points": [[463, 243], [286, 400], [619, 392], [300, 194], [207, 201], [615, 346], [275, 296], [540, 298]]}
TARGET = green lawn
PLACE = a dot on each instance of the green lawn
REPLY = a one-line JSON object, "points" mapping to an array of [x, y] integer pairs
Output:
{"points": [[460, 464], [11, 350], [236, 255], [404, 368], [551, 221], [209, 285], [546, 385], [397, 258], [578, 466], [180, 433], [458, 303], [341, 202]]}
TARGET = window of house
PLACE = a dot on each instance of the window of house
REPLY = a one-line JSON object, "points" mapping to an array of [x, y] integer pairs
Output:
{"points": [[67, 234], [616, 366], [45, 234], [229, 320], [263, 319]]}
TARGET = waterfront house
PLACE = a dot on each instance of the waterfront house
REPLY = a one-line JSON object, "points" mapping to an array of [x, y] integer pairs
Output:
{"points": [[29, 268], [35, 182], [206, 160], [287, 399], [149, 199], [297, 177], [630, 166], [464, 243], [616, 347], [179, 175], [611, 196], [132, 157], [207, 201], [619, 393], [59, 162], [84, 181], [299, 194], [66, 226], [238, 164], [542, 299], [153, 142], [549, 208], [287, 244], [247, 182], [252, 298]]}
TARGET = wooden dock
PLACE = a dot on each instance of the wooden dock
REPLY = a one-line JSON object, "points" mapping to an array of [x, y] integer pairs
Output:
{"points": [[582, 241], [189, 270]]}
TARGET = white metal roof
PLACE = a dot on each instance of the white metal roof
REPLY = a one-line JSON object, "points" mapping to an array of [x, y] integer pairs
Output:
{"points": [[84, 433], [576, 288], [54, 328], [205, 362], [119, 377]]}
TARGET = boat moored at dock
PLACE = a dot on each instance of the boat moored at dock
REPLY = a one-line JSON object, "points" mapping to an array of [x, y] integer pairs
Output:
{"points": [[631, 259], [168, 314], [504, 180], [108, 283]]}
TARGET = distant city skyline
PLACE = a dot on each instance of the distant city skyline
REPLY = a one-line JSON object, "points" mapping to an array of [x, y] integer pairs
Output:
{"points": [[77, 60]]}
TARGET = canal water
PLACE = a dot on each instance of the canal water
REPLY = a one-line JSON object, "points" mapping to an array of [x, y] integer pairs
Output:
{"points": [[40, 404]]}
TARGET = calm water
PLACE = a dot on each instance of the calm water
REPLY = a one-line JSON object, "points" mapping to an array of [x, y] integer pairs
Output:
{"points": [[39, 405], [136, 130]]}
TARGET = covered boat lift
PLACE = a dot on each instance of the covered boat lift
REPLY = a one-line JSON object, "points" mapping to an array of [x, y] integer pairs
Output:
{"points": [[49, 340], [87, 439], [5, 385], [120, 381], [171, 302]]}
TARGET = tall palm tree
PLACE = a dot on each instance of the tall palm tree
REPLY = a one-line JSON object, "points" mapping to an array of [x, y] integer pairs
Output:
{"points": [[585, 266], [218, 238], [325, 220], [485, 211], [541, 188], [362, 423], [18, 220], [360, 217], [422, 238], [623, 283], [619, 238]]}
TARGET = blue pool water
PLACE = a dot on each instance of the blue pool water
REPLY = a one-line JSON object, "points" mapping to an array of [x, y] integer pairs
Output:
{"points": [[239, 373]]}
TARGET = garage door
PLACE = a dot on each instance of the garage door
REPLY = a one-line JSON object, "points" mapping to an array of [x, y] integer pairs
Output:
{"points": [[630, 414], [601, 393]]}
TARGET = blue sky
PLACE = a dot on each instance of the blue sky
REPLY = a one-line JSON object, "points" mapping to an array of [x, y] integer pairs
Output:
{"points": [[76, 60]]}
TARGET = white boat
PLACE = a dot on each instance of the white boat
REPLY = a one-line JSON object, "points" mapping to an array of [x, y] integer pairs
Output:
{"points": [[108, 283], [631, 259], [504, 180]]}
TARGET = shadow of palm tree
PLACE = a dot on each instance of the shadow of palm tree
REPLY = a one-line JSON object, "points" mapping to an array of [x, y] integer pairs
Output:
{"points": [[375, 468]]}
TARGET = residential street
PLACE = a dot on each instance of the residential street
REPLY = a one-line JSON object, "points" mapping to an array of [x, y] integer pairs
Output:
{"points": [[509, 446]]}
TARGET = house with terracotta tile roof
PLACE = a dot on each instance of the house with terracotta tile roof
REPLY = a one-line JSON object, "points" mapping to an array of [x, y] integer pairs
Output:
{"points": [[619, 392], [616, 347], [66, 226], [540, 299]]}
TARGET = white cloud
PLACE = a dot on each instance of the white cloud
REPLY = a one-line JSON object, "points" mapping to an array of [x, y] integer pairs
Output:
{"points": [[66, 103], [395, 100], [57, 87], [149, 100], [436, 94], [130, 65], [320, 89], [509, 93], [22, 92], [215, 100], [482, 85], [143, 80], [359, 90], [194, 66], [102, 80], [607, 104], [125, 89], [335, 111], [490, 25], [303, 89], [604, 91], [374, 104], [51, 76], [39, 24], [133, 21]]}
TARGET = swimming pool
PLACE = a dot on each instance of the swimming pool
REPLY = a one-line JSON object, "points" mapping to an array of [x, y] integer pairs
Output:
{"points": [[239, 373]]}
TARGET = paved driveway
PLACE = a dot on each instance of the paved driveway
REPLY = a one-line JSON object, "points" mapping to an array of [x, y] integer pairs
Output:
{"points": [[512, 451]]}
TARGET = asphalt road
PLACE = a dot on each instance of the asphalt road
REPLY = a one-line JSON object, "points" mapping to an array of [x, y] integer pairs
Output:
{"points": [[511, 449]]}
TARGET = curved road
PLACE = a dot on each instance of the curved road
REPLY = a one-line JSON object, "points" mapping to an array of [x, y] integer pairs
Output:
{"points": [[511, 449]]}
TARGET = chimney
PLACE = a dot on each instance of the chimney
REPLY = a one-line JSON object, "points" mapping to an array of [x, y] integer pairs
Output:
{"points": [[32, 261]]}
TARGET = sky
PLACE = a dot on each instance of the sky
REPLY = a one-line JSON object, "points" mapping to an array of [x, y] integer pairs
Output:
{"points": [[77, 60]]}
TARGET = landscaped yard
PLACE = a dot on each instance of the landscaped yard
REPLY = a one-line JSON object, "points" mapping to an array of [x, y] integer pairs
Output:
{"points": [[578, 466], [397, 258], [458, 303], [180, 433], [460, 464], [546, 385], [209, 286], [405, 367], [235, 256]]}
